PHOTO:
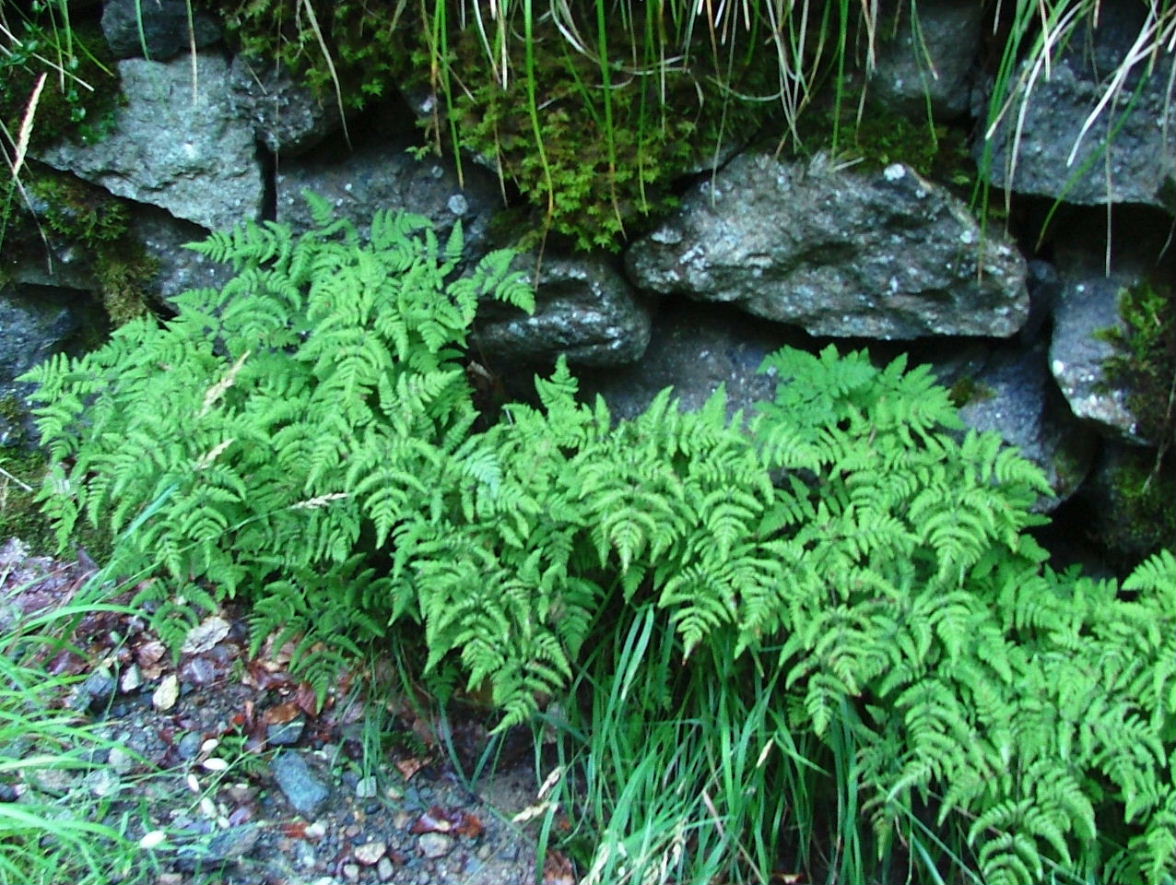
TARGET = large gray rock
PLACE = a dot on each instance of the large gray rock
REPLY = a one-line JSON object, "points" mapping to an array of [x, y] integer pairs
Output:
{"points": [[176, 144], [386, 176], [286, 115], [928, 59], [585, 309], [1009, 390], [160, 26], [1031, 147], [841, 253]]}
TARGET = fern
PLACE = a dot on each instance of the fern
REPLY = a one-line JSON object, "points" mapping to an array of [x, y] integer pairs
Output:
{"points": [[303, 440]]}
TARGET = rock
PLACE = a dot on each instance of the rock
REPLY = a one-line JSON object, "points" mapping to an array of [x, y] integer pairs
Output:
{"points": [[1087, 306], [841, 253], [120, 760], [366, 787], [165, 696], [173, 146], [386, 176], [435, 845], [189, 745], [1129, 508], [305, 792], [384, 869], [286, 115], [226, 846], [930, 57], [285, 734], [54, 781], [159, 26], [370, 853], [1040, 134], [178, 269], [694, 348], [585, 309], [95, 693], [102, 782], [1010, 391]]}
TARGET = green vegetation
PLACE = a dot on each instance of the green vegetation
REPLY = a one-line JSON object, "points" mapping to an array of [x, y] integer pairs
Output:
{"points": [[1145, 364], [45, 751], [84, 215], [833, 625]]}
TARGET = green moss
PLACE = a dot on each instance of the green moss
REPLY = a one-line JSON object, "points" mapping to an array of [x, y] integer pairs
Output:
{"points": [[968, 390], [861, 130], [601, 168], [74, 213], [1144, 362], [1141, 517]]}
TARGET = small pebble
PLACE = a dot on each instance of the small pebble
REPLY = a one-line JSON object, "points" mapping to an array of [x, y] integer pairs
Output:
{"points": [[189, 745], [165, 696], [120, 761], [102, 782], [131, 679], [351, 872], [366, 788], [434, 845], [285, 734], [384, 869], [315, 831], [370, 853]]}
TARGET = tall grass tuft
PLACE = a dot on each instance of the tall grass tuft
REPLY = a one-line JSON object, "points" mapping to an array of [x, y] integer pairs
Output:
{"points": [[52, 828], [689, 773]]}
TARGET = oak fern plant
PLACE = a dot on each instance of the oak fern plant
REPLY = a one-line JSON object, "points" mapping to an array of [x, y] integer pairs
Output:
{"points": [[304, 438], [266, 440]]}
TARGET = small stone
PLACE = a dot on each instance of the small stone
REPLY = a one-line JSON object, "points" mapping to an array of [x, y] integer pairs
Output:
{"points": [[96, 692], [55, 781], [302, 789], [434, 845], [165, 696], [131, 679], [120, 760], [189, 745], [369, 853], [384, 869], [351, 872], [315, 831], [205, 635], [285, 734], [102, 782], [366, 788]]}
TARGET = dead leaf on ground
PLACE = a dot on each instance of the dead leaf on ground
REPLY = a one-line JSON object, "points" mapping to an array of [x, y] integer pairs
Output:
{"points": [[280, 714], [410, 766]]}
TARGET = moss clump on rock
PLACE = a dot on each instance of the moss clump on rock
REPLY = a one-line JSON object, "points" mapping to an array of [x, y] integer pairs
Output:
{"points": [[1138, 482]]}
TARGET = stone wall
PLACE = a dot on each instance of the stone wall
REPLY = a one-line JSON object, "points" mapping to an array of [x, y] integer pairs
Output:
{"points": [[765, 249]]}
